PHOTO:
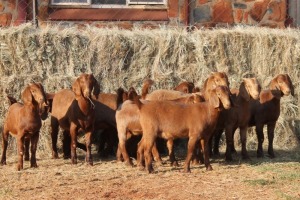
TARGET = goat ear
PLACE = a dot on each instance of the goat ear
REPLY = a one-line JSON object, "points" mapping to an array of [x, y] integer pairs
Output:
{"points": [[214, 99], [96, 90], [76, 88], [26, 96], [291, 85], [244, 92], [274, 84]]}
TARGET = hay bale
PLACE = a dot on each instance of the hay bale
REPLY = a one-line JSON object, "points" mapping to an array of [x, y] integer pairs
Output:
{"points": [[123, 58]]}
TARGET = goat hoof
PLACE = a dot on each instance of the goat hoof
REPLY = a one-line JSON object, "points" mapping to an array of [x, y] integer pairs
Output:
{"points": [[260, 155], [159, 163], [19, 167], [209, 168], [150, 170], [228, 159], [129, 163], [33, 165], [175, 164], [271, 154], [245, 157], [74, 162], [141, 167], [186, 171]]}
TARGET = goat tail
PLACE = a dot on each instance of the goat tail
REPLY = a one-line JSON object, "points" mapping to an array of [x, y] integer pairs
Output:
{"points": [[11, 100], [146, 86], [120, 96], [138, 102]]}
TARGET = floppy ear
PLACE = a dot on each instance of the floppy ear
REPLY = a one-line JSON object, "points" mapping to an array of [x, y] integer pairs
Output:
{"points": [[214, 99], [274, 84], [26, 96], [243, 91], [76, 88], [96, 90], [291, 85], [274, 87]]}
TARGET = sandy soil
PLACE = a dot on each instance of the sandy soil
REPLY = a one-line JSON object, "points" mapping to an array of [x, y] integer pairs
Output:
{"points": [[265, 178]]}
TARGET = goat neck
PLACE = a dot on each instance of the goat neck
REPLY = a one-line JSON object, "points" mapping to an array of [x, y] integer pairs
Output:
{"points": [[86, 106]]}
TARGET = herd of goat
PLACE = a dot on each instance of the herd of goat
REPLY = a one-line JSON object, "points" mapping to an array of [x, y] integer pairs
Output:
{"points": [[201, 115]]}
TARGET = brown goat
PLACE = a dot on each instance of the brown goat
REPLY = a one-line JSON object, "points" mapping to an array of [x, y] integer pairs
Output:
{"points": [[24, 121], [266, 110], [127, 117], [105, 106], [74, 110], [215, 79], [171, 120], [237, 117], [185, 87]]}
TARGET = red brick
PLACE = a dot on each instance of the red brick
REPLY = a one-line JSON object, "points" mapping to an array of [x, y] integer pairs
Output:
{"points": [[200, 2], [259, 9], [109, 14], [222, 12], [278, 10], [246, 15], [1, 7], [173, 8], [5, 19], [183, 12], [12, 4], [43, 13], [238, 17]]}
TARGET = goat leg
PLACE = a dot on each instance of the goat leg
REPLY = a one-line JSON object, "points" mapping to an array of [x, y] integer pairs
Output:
{"points": [[205, 150], [170, 145], [191, 145], [122, 149], [73, 133], [156, 155], [4, 146], [20, 143], [54, 134], [119, 154], [271, 128], [229, 143], [140, 155], [26, 150], [34, 142], [217, 137], [88, 157], [243, 134], [147, 153], [260, 139], [66, 141]]}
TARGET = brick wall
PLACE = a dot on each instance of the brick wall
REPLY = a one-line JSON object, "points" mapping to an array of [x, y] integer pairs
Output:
{"points": [[200, 13], [210, 13]]}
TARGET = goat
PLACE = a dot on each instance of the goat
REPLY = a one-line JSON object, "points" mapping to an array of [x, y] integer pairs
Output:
{"points": [[266, 110], [237, 117], [185, 87], [74, 110], [105, 105], [24, 121], [171, 120], [127, 117], [215, 79]]}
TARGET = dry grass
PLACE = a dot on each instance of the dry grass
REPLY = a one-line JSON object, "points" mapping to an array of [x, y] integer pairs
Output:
{"points": [[123, 58]]}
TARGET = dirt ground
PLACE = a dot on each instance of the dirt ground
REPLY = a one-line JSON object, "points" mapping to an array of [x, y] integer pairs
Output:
{"points": [[264, 178]]}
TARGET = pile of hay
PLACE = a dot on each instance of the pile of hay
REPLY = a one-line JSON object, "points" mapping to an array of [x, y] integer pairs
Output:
{"points": [[124, 58]]}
